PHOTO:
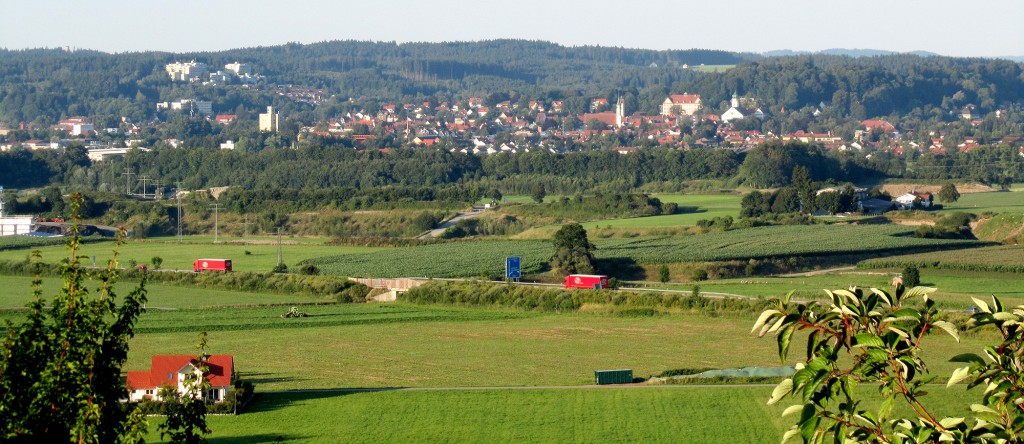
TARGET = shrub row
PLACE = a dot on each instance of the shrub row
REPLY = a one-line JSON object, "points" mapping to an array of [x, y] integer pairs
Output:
{"points": [[333, 286], [559, 300], [940, 265]]}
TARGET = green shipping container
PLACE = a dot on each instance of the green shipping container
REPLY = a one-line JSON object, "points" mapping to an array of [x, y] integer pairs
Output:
{"points": [[613, 376]]}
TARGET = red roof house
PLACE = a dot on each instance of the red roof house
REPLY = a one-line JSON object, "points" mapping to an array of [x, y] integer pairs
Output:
{"points": [[171, 370]]}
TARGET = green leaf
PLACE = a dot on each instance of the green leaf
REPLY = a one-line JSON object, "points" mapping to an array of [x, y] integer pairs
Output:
{"points": [[767, 314], [781, 390], [792, 409], [950, 422], [886, 408], [918, 292], [905, 314], [785, 337], [808, 422], [776, 325], [948, 327], [970, 358], [790, 434], [1004, 316], [785, 300], [958, 376], [867, 340], [981, 305]]}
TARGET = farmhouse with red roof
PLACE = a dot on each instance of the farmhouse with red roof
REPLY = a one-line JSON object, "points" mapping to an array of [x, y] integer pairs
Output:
{"points": [[170, 370]]}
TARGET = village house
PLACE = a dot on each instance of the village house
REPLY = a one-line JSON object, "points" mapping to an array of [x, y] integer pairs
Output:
{"points": [[170, 370], [740, 110], [906, 201]]}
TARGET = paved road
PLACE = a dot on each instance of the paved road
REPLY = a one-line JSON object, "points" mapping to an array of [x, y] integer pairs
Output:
{"points": [[451, 222]]}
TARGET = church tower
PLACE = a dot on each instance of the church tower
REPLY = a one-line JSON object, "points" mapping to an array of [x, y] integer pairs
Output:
{"points": [[620, 112], [735, 101]]}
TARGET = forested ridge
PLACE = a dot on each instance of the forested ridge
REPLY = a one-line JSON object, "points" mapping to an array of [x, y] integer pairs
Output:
{"points": [[44, 85]]}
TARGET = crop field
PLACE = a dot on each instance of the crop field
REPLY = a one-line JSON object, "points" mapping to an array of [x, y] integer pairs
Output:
{"points": [[16, 242], [692, 209], [467, 259], [955, 288], [1009, 258], [160, 296], [179, 256]]}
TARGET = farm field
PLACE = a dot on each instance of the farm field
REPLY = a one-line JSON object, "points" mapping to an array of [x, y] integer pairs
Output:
{"points": [[467, 259], [692, 209], [954, 287], [1001, 257], [649, 415], [179, 256], [996, 202], [160, 296], [16, 242]]}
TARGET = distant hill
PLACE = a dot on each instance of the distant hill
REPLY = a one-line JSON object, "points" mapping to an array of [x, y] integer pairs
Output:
{"points": [[846, 52]]}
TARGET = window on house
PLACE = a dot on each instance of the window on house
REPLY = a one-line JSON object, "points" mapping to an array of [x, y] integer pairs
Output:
{"points": [[149, 392]]}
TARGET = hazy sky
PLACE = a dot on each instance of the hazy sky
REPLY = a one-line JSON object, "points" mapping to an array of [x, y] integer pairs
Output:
{"points": [[948, 27]]}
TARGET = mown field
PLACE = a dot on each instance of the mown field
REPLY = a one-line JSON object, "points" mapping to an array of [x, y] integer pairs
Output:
{"points": [[402, 345], [468, 259], [262, 255], [996, 202], [692, 209], [724, 415]]}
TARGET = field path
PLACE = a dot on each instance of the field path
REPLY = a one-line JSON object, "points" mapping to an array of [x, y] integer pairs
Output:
{"points": [[817, 272], [451, 222]]}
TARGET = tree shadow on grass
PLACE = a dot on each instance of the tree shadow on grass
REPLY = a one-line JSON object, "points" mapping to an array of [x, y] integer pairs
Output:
{"points": [[620, 267], [265, 402], [266, 378], [257, 438]]}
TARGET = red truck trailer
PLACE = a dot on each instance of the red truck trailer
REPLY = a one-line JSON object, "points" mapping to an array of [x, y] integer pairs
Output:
{"points": [[211, 265], [594, 281]]}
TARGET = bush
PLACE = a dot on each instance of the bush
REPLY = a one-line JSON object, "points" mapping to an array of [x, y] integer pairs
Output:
{"points": [[911, 277], [308, 270]]}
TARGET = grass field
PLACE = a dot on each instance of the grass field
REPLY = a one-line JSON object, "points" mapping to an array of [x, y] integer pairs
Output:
{"points": [[692, 209], [645, 415], [725, 415], [467, 259], [179, 256], [996, 202]]}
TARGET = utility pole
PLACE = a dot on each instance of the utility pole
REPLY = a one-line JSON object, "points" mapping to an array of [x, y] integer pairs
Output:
{"points": [[245, 230], [128, 181], [143, 179], [177, 193], [278, 246], [216, 210]]}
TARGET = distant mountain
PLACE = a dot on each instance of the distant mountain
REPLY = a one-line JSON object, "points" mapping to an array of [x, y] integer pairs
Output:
{"points": [[845, 52]]}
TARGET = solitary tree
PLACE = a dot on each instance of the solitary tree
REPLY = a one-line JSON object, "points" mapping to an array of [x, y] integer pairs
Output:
{"points": [[538, 193], [572, 250], [949, 193], [663, 274]]}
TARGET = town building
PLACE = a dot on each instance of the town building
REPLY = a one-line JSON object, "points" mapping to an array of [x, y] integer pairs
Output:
{"points": [[12, 225], [681, 104], [270, 121], [187, 72], [739, 111]]}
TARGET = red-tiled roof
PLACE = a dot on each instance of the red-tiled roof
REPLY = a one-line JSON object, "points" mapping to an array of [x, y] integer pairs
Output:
{"points": [[164, 370], [684, 98]]}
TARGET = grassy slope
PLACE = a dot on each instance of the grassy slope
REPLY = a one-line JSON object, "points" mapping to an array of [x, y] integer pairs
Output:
{"points": [[997, 202]]}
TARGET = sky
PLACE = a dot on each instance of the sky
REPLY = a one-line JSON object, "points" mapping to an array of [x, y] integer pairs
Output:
{"points": [[976, 28]]}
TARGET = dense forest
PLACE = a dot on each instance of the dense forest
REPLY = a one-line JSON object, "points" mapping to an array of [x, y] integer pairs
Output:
{"points": [[42, 86]]}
